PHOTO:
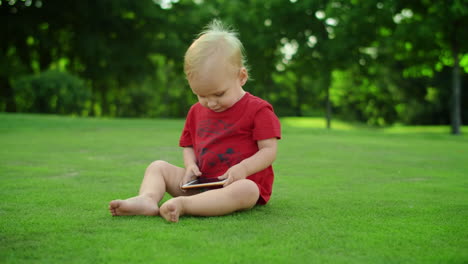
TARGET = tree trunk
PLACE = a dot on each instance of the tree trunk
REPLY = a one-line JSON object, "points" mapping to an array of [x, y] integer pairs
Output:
{"points": [[7, 95], [299, 94], [456, 90], [328, 113]]}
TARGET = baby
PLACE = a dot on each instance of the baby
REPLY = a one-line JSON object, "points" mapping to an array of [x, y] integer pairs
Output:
{"points": [[229, 134]]}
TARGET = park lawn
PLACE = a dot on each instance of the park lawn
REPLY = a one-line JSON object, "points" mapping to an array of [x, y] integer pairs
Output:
{"points": [[349, 195]]}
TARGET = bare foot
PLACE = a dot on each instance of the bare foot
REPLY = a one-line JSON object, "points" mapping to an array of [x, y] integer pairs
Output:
{"points": [[138, 205], [172, 209]]}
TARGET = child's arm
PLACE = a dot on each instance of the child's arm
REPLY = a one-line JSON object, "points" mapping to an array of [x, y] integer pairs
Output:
{"points": [[191, 168], [259, 161]]}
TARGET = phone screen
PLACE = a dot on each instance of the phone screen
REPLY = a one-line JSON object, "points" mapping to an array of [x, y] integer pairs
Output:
{"points": [[207, 180], [204, 182]]}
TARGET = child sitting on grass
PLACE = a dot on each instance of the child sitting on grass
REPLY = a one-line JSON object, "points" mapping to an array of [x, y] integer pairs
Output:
{"points": [[229, 134]]}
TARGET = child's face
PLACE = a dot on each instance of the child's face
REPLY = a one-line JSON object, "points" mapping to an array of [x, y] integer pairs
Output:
{"points": [[218, 88]]}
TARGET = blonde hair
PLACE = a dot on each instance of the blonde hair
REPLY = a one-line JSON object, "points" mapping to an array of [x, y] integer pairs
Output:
{"points": [[215, 40]]}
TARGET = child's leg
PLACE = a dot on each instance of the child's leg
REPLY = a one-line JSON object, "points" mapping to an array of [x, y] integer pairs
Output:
{"points": [[239, 195], [160, 177]]}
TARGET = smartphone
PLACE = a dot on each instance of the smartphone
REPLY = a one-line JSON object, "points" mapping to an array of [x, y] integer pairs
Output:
{"points": [[203, 182]]}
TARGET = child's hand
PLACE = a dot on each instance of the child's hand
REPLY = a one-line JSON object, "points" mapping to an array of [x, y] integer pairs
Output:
{"points": [[235, 173], [191, 173]]}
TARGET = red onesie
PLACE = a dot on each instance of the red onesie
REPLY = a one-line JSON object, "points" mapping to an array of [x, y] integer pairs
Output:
{"points": [[221, 140]]}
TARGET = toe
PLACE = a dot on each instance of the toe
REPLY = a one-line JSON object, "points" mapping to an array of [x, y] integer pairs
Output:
{"points": [[114, 204]]}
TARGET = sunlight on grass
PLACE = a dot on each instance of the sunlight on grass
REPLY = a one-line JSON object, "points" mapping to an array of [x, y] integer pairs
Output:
{"points": [[317, 122], [314, 122], [400, 129]]}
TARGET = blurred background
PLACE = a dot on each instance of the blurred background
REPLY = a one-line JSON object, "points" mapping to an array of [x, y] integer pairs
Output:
{"points": [[373, 62]]}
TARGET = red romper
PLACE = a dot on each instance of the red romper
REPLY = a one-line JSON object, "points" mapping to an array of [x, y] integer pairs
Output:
{"points": [[221, 140]]}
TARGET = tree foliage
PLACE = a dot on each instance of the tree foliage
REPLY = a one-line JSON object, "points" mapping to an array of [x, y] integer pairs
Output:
{"points": [[376, 62], [52, 92]]}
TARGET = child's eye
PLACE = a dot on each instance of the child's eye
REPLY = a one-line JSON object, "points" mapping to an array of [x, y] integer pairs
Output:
{"points": [[219, 94]]}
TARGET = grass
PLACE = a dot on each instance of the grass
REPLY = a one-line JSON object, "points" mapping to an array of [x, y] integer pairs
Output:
{"points": [[349, 195]]}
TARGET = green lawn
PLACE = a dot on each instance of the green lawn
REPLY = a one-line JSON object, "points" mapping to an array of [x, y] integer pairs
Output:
{"points": [[350, 195]]}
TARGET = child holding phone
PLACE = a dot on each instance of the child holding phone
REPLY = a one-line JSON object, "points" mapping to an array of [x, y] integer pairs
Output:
{"points": [[229, 134]]}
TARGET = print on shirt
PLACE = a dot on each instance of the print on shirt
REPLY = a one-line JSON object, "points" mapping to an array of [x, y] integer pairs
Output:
{"points": [[209, 131], [228, 158]]}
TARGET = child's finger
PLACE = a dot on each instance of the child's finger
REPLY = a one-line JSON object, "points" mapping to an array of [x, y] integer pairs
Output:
{"points": [[228, 180], [223, 177], [185, 180], [180, 186], [196, 171]]}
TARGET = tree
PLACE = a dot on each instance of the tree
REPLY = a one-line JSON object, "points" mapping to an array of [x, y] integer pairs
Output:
{"points": [[435, 32], [370, 61], [108, 43]]}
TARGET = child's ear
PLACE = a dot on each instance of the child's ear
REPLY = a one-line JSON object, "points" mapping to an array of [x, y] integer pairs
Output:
{"points": [[243, 76]]}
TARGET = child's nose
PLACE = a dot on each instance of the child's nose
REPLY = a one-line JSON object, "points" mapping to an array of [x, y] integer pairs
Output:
{"points": [[211, 103]]}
